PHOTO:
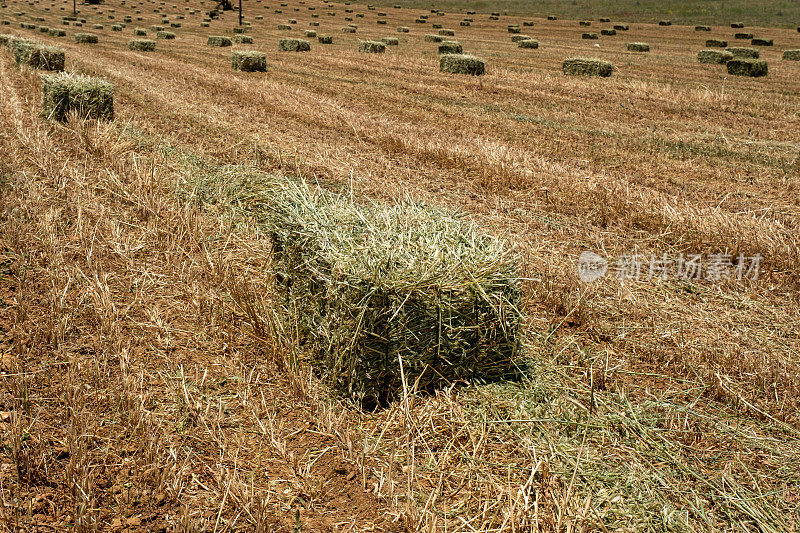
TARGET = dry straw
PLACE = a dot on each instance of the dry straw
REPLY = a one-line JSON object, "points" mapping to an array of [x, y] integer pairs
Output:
{"points": [[462, 64], [582, 66], [89, 98], [249, 61]]}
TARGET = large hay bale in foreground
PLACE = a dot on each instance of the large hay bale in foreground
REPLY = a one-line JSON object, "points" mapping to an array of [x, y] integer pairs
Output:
{"points": [[219, 40], [90, 98], [142, 45], [462, 64], [37, 55], [86, 38], [371, 47], [714, 56], [791, 55], [743, 51], [384, 294], [294, 45], [249, 61], [450, 47], [753, 68], [528, 43], [582, 66], [638, 47]]}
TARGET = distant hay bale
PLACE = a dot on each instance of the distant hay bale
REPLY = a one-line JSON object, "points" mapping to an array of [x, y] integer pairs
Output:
{"points": [[142, 45], [86, 38], [325, 39], [371, 47], [714, 56], [391, 41], [36, 55], [462, 64], [382, 22], [348, 29], [552, 17], [743, 36], [156, 28], [116, 27], [737, 24], [638, 47], [140, 32], [590, 36], [240, 30], [420, 21], [219, 40], [430, 38], [97, 26], [284, 27], [450, 47], [249, 61], [791, 55], [437, 26], [621, 27], [56, 32], [585, 23], [604, 19], [702, 28], [205, 25], [294, 45], [446, 33], [665, 23], [493, 17], [753, 68], [465, 23], [310, 33], [528, 43], [761, 41], [403, 29], [716, 43], [511, 29], [582, 66], [89, 98], [742, 51], [608, 31], [166, 35], [528, 23], [247, 39], [520, 37]]}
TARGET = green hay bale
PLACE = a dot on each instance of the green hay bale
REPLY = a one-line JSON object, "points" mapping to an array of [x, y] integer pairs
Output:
{"points": [[742, 51], [520, 37], [737, 24], [446, 33], [157, 28], [528, 43], [743, 36], [753, 68], [465, 23], [142, 45], [310, 33], [382, 22], [511, 29], [528, 23], [604, 19], [665, 23], [390, 41], [97, 26], [791, 55], [294, 45], [249, 61], [139, 32], [116, 27], [243, 39], [716, 43], [86, 38], [403, 29], [608, 31], [702, 28], [284, 27], [325, 39], [581, 66], [714, 56], [44, 29], [371, 47], [590, 36], [219, 40], [430, 38], [89, 98], [585, 23], [621, 27], [56, 32], [462, 64], [167, 35], [552, 17], [348, 29], [760, 41], [450, 47], [37, 55], [638, 47]]}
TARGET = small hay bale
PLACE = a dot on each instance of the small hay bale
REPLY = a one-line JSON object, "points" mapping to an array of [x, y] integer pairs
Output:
{"points": [[582, 66], [142, 45], [528, 43], [44, 29], [665, 23], [391, 41], [430, 38], [714, 56], [205, 25], [511, 29], [753, 68], [245, 39], [116, 27], [716, 43], [310, 34], [239, 30], [325, 39], [585, 23], [284, 27], [465, 23], [382, 22], [90, 98], [446, 33], [462, 64], [520, 37], [608, 31], [140, 32], [313, 24], [621, 27], [737, 24], [293, 45], [638, 47], [450, 47], [348, 29], [791, 55], [56, 32], [761, 41], [219, 40], [552, 17], [743, 51], [421, 21], [437, 27], [157, 28], [702, 28], [743, 36], [371, 47], [590, 36], [166, 35], [97, 26], [249, 61], [403, 29], [86, 38], [604, 19], [528, 23]]}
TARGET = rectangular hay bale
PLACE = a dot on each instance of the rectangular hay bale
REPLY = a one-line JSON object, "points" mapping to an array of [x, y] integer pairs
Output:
{"points": [[90, 98]]}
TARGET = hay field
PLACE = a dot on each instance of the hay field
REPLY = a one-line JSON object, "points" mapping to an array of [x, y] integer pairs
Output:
{"points": [[148, 383]]}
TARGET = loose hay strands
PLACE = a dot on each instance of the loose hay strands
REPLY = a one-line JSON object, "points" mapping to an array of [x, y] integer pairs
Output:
{"points": [[142, 45], [461, 64], [371, 47], [753, 68], [90, 98], [249, 61], [294, 45], [714, 56], [581, 66]]}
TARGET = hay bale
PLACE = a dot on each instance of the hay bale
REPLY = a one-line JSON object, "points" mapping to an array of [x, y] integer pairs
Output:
{"points": [[430, 38], [582, 66], [465, 23], [310, 34], [702, 28], [391, 41], [590, 36], [716, 43], [528, 43], [446, 33], [90, 98], [116, 27], [604, 19], [761, 41], [737, 24], [714, 56], [97, 26], [348, 29], [249, 61], [166, 35], [552, 17], [665, 23], [56, 32], [5, 39], [528, 23], [293, 45], [219, 40], [621, 27], [284, 27], [511, 29], [314, 24], [638, 47], [461, 64], [585, 23], [140, 32], [371, 47], [382, 22], [608, 31], [450, 47], [142, 45], [403, 29], [205, 25], [520, 37], [37, 55], [325, 39], [743, 36], [243, 39], [742, 51], [753, 68], [157, 28], [791, 55], [86, 38]]}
